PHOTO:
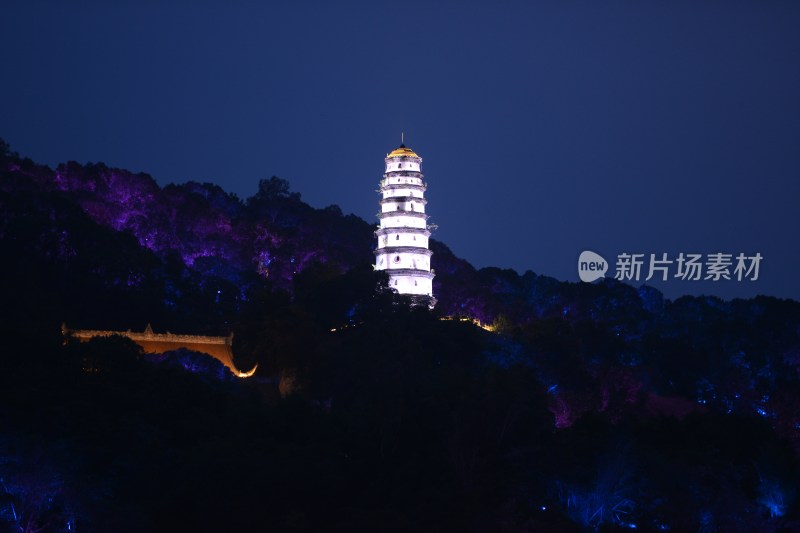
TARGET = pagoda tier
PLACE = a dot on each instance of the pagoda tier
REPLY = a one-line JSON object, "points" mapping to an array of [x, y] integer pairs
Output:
{"points": [[408, 186], [403, 200], [401, 249], [403, 231], [390, 231]]}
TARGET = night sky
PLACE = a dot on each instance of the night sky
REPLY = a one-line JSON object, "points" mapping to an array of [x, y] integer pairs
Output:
{"points": [[546, 128]]}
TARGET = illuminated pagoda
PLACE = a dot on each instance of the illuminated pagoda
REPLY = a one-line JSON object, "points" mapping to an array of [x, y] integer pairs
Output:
{"points": [[403, 231]]}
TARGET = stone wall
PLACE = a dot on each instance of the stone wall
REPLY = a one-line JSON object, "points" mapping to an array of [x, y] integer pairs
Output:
{"points": [[155, 343]]}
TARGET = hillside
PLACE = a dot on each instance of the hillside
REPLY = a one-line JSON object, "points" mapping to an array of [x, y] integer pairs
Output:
{"points": [[590, 405]]}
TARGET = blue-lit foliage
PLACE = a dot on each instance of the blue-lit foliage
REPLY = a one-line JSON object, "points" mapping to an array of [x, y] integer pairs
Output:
{"points": [[774, 497], [594, 507], [607, 499]]}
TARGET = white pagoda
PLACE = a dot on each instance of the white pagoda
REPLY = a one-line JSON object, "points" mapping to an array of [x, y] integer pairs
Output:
{"points": [[403, 231]]}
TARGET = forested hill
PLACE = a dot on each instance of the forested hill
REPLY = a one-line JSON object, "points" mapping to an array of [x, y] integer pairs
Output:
{"points": [[273, 235], [589, 406]]}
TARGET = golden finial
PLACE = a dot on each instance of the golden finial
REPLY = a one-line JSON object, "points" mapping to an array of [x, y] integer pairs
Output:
{"points": [[402, 139]]}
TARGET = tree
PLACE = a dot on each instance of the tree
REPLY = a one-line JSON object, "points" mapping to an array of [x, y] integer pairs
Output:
{"points": [[271, 189]]}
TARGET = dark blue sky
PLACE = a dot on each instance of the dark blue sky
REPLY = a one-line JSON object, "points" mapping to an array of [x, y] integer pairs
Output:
{"points": [[546, 128]]}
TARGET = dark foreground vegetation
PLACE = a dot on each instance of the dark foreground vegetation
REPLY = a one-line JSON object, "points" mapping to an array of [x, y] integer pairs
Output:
{"points": [[590, 407]]}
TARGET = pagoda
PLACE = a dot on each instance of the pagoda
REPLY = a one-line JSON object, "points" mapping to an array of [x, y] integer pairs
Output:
{"points": [[403, 231]]}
